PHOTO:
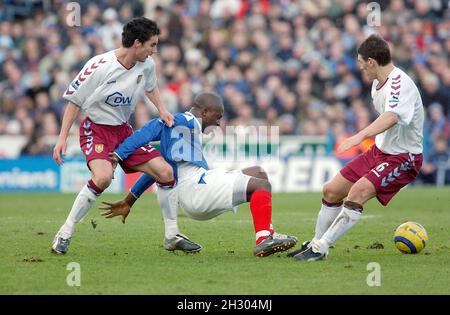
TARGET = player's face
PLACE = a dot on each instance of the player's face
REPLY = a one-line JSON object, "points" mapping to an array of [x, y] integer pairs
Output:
{"points": [[367, 67], [211, 118], [146, 49]]}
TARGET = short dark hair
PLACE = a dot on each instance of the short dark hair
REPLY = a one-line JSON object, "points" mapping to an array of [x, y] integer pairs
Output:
{"points": [[208, 100], [139, 28], [376, 48]]}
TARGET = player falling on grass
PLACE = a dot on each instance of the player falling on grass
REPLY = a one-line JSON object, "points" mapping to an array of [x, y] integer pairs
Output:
{"points": [[391, 163], [106, 89], [202, 193]]}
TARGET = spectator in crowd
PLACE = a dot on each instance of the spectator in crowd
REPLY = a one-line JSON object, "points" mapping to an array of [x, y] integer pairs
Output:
{"points": [[437, 161], [282, 63]]}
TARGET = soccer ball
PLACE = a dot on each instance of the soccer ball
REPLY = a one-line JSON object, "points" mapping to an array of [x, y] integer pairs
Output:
{"points": [[410, 237]]}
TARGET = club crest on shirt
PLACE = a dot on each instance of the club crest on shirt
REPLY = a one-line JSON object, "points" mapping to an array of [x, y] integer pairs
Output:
{"points": [[99, 148], [139, 78]]}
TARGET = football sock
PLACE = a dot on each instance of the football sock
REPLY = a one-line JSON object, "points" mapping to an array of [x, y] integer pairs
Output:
{"points": [[168, 201], [261, 208], [92, 187], [83, 202], [348, 217], [328, 212]]}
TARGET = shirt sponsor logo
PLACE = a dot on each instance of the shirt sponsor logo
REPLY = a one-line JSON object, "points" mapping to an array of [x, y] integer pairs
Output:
{"points": [[117, 99]]}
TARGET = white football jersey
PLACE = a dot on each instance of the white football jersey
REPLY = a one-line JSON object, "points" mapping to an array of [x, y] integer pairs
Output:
{"points": [[107, 91], [399, 95]]}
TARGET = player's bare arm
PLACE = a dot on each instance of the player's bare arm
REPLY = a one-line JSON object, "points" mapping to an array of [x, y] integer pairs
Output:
{"points": [[155, 97], [70, 114], [381, 124]]}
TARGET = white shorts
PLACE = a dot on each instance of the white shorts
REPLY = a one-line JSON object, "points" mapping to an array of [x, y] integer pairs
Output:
{"points": [[204, 194]]}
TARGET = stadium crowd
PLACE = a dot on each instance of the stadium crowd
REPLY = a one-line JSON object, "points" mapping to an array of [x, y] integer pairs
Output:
{"points": [[290, 63]]}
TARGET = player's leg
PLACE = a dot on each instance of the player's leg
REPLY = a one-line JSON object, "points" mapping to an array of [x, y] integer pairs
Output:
{"points": [[334, 193], [96, 141], [101, 171], [360, 193], [157, 168], [258, 192], [389, 175], [255, 171], [258, 181], [148, 160], [173, 239], [167, 196]]}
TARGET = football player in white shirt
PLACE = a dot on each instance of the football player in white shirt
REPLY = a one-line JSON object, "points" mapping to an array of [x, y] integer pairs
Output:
{"points": [[106, 89], [393, 161]]}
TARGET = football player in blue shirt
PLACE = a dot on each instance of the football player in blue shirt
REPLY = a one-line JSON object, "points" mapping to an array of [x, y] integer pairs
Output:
{"points": [[202, 193]]}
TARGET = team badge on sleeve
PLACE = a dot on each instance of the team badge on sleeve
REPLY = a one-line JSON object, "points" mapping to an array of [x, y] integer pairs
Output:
{"points": [[99, 148]]}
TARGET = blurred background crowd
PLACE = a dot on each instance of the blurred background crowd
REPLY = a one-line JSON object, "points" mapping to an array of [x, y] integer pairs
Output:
{"points": [[289, 63]]}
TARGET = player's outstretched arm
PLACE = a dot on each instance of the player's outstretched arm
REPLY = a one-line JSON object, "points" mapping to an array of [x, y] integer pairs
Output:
{"points": [[151, 131], [69, 116], [155, 98], [144, 181], [381, 124]]}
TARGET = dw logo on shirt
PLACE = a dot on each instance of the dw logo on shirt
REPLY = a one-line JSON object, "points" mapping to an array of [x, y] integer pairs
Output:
{"points": [[117, 99]]}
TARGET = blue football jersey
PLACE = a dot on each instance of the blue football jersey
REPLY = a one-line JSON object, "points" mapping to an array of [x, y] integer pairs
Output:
{"points": [[180, 143]]}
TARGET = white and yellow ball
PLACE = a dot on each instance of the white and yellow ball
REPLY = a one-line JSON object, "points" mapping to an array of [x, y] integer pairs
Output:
{"points": [[410, 237]]}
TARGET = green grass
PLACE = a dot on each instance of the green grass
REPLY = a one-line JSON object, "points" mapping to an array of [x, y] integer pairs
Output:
{"points": [[130, 259]]}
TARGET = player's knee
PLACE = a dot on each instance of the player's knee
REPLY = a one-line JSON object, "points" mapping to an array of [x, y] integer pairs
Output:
{"points": [[330, 193], [165, 174], [265, 185], [102, 180], [262, 173]]}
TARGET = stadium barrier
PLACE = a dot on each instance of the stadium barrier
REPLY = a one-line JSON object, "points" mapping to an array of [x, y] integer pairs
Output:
{"points": [[42, 174], [293, 164]]}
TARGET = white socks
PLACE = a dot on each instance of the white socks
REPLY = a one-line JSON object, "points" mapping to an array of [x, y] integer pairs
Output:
{"points": [[325, 217], [80, 207], [343, 222], [168, 201]]}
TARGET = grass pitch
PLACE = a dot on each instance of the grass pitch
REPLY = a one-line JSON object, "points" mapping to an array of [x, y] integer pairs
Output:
{"points": [[129, 259]]}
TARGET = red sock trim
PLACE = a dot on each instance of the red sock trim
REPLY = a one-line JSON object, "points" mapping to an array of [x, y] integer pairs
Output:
{"points": [[332, 204], [94, 188], [168, 184], [353, 206], [261, 207]]}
